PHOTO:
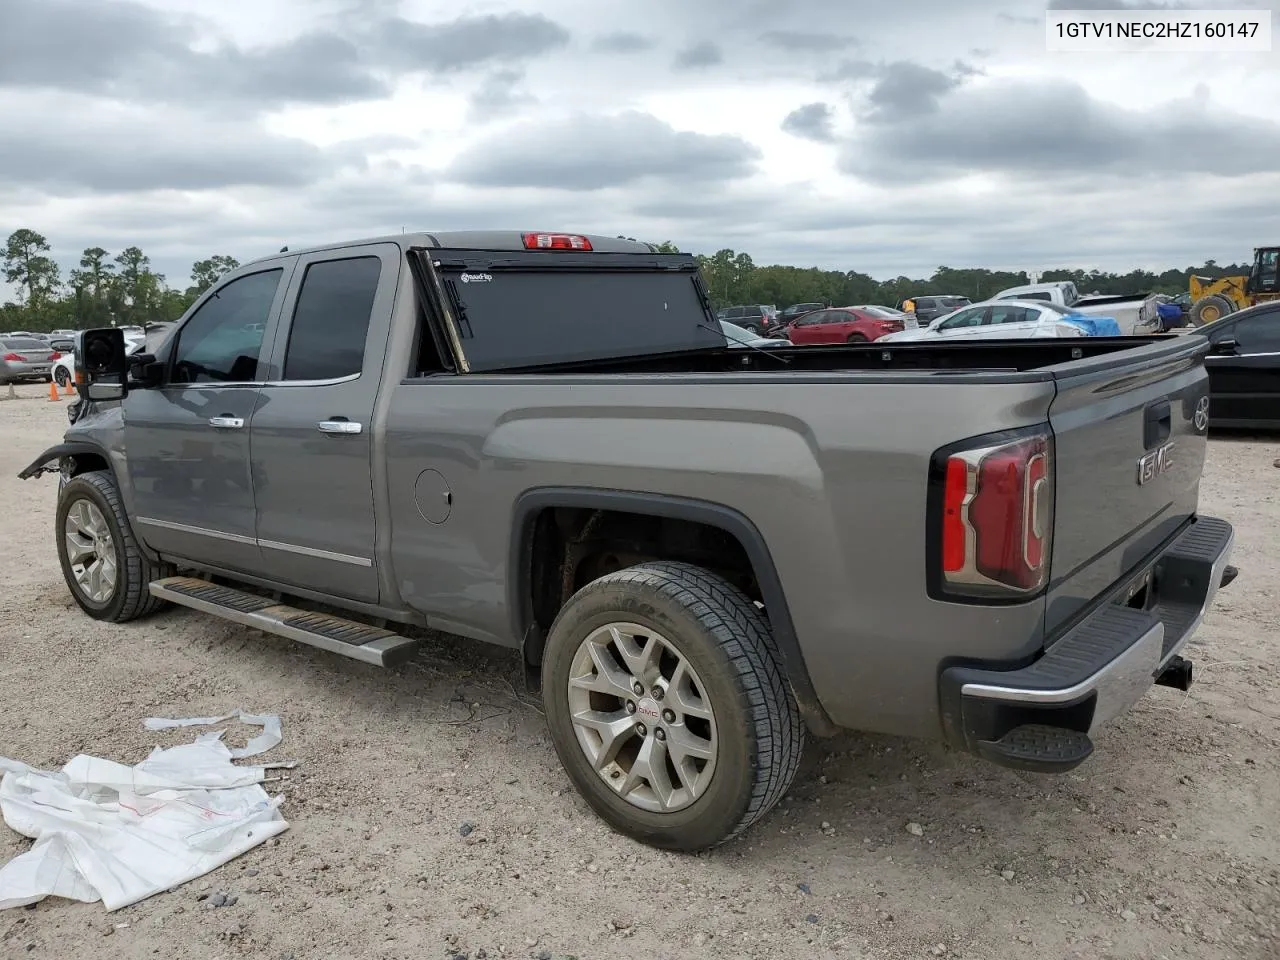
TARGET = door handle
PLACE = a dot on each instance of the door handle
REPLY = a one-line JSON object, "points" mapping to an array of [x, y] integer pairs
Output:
{"points": [[226, 422], [339, 426]]}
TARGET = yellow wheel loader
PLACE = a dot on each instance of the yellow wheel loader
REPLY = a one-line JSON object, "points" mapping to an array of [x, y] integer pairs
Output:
{"points": [[1212, 298]]}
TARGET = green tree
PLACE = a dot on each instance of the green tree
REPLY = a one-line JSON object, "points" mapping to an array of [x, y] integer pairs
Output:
{"points": [[36, 275], [205, 273], [141, 291], [90, 285]]}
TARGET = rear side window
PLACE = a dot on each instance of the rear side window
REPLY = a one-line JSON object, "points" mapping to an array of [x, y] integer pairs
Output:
{"points": [[1008, 315], [331, 320]]}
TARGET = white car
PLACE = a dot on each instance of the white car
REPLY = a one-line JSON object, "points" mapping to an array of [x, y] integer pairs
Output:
{"points": [[1003, 320]]}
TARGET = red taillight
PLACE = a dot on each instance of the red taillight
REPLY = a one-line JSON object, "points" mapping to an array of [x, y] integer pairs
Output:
{"points": [[954, 537], [55, 356], [555, 241], [997, 518], [15, 358]]}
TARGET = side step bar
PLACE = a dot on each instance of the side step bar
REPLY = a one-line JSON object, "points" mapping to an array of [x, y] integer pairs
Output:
{"points": [[373, 645]]}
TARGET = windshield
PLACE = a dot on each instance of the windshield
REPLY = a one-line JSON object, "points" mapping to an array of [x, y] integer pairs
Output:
{"points": [[735, 332], [25, 343]]}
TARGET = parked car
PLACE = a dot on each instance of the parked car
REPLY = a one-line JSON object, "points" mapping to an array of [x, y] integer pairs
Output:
{"points": [[699, 552], [1007, 319], [841, 325], [929, 308], [909, 320], [742, 337], [756, 317], [1136, 314], [25, 358], [1244, 368], [793, 312]]}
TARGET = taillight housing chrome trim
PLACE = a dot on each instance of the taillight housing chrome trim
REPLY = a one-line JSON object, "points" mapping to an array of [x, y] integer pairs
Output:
{"points": [[989, 533]]}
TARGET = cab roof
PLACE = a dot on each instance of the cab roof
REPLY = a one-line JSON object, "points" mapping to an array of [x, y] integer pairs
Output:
{"points": [[501, 240]]}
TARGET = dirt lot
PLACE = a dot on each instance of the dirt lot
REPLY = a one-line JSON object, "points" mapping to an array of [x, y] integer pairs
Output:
{"points": [[1163, 845]]}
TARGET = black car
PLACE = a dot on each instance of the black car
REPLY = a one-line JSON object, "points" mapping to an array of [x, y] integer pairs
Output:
{"points": [[795, 311], [756, 317], [1244, 368], [930, 308]]}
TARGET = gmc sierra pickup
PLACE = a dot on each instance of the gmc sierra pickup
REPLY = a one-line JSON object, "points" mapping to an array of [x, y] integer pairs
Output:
{"points": [[545, 441]]}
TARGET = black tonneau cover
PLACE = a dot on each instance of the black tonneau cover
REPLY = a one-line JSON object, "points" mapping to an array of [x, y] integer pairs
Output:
{"points": [[535, 308]]}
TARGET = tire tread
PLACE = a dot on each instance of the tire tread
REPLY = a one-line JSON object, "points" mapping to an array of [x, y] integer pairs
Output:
{"points": [[138, 569], [743, 635]]}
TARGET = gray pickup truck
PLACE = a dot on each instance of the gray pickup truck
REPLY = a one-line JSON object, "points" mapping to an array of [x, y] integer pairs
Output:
{"points": [[544, 441]]}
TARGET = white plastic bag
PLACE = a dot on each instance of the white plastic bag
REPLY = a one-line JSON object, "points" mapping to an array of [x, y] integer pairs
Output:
{"points": [[106, 831]]}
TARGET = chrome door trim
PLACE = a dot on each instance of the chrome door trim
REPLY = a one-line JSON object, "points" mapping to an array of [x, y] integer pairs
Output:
{"points": [[250, 541], [196, 531], [317, 553]]}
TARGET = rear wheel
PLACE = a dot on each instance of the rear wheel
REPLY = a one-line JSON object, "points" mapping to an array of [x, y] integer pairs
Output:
{"points": [[857, 338], [667, 706], [61, 376], [102, 564]]}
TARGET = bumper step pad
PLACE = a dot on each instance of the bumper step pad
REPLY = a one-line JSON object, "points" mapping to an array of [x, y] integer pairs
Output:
{"points": [[1038, 748], [335, 634]]}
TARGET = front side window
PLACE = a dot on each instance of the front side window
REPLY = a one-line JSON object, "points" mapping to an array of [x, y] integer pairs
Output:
{"points": [[1257, 334], [968, 318], [222, 341], [331, 320]]}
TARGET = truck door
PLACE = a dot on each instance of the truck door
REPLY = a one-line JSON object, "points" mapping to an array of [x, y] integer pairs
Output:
{"points": [[313, 431], [188, 440]]}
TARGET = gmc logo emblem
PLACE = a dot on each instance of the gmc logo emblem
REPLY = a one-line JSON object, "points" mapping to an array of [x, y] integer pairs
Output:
{"points": [[1155, 463]]}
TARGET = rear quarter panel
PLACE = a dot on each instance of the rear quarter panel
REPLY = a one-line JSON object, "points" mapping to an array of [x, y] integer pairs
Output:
{"points": [[832, 472]]}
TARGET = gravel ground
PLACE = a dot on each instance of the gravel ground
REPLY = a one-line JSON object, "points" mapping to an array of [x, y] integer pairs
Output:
{"points": [[430, 817]]}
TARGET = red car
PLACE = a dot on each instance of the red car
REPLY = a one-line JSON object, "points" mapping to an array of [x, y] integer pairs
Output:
{"points": [[843, 325]]}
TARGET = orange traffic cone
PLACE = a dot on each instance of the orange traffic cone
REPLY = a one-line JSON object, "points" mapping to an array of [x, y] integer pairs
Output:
{"points": [[69, 389], [53, 393]]}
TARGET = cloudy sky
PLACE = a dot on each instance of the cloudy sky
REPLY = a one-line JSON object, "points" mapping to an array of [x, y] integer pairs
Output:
{"points": [[887, 136]]}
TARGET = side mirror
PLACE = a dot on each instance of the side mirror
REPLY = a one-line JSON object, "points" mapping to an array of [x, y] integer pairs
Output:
{"points": [[1227, 346], [145, 371], [102, 364]]}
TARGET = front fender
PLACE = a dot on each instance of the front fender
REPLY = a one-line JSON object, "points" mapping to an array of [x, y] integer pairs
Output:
{"points": [[57, 453]]}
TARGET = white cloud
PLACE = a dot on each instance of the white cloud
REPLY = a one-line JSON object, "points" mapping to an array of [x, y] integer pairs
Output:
{"points": [[887, 136]]}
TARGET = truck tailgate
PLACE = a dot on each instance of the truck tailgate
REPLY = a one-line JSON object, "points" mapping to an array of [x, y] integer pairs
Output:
{"points": [[1129, 436]]}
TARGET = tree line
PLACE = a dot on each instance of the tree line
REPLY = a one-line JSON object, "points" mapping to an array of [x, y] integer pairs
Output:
{"points": [[733, 279], [124, 289], [102, 291]]}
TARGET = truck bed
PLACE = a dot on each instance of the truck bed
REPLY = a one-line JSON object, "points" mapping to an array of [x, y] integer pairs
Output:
{"points": [[973, 357]]}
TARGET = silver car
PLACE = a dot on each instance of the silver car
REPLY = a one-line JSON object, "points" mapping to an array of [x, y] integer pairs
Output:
{"points": [[25, 358]]}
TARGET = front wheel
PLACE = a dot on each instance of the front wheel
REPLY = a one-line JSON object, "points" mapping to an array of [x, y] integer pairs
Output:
{"points": [[667, 706], [106, 571]]}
